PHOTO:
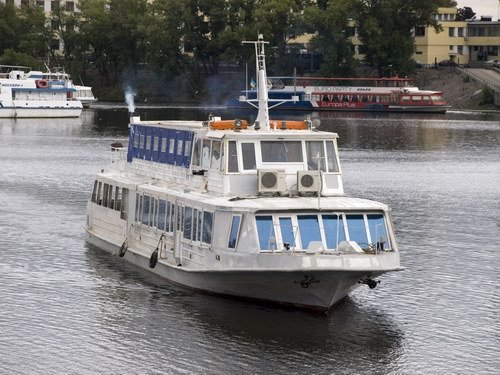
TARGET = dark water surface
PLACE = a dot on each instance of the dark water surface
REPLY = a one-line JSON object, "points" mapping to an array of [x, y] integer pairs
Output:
{"points": [[67, 308]]}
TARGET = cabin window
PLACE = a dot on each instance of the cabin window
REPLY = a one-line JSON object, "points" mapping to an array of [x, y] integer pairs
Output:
{"points": [[169, 224], [148, 143], [287, 232], [232, 163], [334, 230], [233, 234], [309, 229], [416, 98], [216, 155], [163, 145], [138, 200], [188, 218], [180, 217], [205, 154], [118, 198], [248, 154], [357, 230], [196, 152], [281, 151], [94, 192], [427, 98], [154, 213], [104, 202], [155, 143], [197, 218], [136, 140], [145, 210], [405, 98], [315, 152], [207, 227], [378, 231], [265, 231], [333, 165], [124, 204], [436, 98]]}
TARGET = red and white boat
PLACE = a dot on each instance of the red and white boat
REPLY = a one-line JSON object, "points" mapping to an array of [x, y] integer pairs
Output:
{"points": [[348, 94]]}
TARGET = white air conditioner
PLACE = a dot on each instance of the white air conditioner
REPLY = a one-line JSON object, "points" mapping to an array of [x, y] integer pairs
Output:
{"points": [[271, 181], [308, 181]]}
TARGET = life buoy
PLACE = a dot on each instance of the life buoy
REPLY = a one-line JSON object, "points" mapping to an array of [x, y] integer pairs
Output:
{"points": [[228, 124], [41, 83], [291, 125]]}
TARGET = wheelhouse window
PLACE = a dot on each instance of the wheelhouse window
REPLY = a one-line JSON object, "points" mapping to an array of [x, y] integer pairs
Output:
{"points": [[315, 152], [216, 155], [248, 153], [281, 151], [188, 217], [232, 157], [309, 229], [207, 227], [234, 232], [287, 232], [265, 231]]}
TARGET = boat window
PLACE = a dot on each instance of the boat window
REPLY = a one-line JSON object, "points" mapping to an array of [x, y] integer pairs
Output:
{"points": [[154, 212], [205, 154], [333, 165], [155, 143], [281, 151], [118, 198], [138, 200], [436, 98], [179, 146], [197, 218], [180, 217], [265, 231], [145, 210], [405, 97], [104, 201], [124, 204], [171, 147], [110, 197], [207, 227], [169, 227], [148, 143], [416, 98], [187, 149], [287, 232], [427, 98], [378, 231], [233, 234], [216, 155], [309, 229], [248, 153], [232, 164], [315, 152], [161, 214], [333, 226], [163, 145], [196, 152], [357, 230], [94, 192], [188, 218], [136, 140]]}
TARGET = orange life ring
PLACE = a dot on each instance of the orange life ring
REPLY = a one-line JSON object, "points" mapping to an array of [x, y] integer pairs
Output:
{"points": [[290, 125], [41, 84], [228, 124]]}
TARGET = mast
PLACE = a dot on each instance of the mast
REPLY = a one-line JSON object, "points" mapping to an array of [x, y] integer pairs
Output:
{"points": [[262, 97]]}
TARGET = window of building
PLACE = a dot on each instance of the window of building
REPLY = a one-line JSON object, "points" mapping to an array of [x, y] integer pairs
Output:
{"points": [[461, 32], [451, 31], [418, 52], [55, 5], [70, 6], [460, 50], [420, 31], [40, 3]]}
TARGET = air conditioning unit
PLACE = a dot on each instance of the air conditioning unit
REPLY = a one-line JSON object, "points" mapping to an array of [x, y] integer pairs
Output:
{"points": [[308, 181], [271, 181]]}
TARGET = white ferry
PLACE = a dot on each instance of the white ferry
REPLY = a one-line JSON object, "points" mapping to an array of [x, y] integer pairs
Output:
{"points": [[58, 77], [22, 96], [254, 211]]}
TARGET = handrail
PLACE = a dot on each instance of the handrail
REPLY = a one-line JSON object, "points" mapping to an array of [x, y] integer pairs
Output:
{"points": [[479, 79]]}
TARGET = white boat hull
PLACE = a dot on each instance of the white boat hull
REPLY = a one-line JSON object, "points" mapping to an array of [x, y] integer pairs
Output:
{"points": [[47, 112], [316, 290]]}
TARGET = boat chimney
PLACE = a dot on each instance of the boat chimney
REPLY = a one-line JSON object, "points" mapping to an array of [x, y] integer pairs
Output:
{"points": [[134, 118]]}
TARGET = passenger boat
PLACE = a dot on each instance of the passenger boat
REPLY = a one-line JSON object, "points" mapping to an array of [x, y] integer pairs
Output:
{"points": [[22, 96], [254, 211], [58, 77], [348, 94]]}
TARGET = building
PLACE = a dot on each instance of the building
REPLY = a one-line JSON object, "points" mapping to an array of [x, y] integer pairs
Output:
{"points": [[463, 42]]}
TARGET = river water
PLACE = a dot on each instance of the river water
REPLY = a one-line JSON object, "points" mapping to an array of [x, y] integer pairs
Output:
{"points": [[67, 308]]}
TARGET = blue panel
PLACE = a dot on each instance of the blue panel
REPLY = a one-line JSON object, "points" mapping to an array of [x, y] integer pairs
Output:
{"points": [[334, 230]]}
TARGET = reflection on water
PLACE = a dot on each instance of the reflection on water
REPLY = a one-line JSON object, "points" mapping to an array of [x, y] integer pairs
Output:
{"points": [[66, 305]]}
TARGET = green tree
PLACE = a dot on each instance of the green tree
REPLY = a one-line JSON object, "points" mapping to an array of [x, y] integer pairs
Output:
{"points": [[385, 29], [465, 13], [330, 26], [8, 27]]}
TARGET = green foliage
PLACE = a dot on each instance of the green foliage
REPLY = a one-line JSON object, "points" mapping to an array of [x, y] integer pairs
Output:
{"points": [[11, 57], [487, 96]]}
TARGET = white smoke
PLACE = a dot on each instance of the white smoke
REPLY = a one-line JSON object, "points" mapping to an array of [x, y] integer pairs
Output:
{"points": [[129, 98]]}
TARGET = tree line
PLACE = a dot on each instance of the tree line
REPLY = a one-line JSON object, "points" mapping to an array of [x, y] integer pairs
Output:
{"points": [[197, 37]]}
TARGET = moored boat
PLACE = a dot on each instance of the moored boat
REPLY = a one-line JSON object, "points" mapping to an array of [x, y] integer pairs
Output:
{"points": [[26, 97], [348, 94], [255, 211]]}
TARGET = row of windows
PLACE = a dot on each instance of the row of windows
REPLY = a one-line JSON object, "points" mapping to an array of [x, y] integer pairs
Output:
{"points": [[318, 154], [168, 146], [109, 196], [300, 231], [365, 98], [196, 224]]}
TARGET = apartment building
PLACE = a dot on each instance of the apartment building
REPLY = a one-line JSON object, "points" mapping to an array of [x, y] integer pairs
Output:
{"points": [[462, 42]]}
